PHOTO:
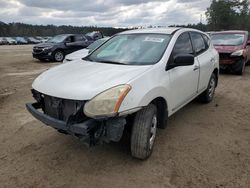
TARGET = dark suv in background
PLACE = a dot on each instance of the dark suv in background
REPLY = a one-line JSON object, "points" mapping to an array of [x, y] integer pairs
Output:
{"points": [[57, 47]]}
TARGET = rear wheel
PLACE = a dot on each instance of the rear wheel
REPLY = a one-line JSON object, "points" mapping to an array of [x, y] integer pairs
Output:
{"points": [[144, 132], [58, 56], [208, 95]]}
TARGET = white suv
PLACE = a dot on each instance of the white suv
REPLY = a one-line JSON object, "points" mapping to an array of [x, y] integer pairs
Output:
{"points": [[135, 80]]}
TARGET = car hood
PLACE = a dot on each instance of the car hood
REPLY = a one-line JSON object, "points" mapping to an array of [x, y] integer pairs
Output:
{"points": [[78, 54], [44, 45], [82, 80], [228, 49]]}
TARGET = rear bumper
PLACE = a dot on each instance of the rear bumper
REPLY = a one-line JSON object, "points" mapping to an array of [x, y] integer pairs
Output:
{"points": [[83, 128]]}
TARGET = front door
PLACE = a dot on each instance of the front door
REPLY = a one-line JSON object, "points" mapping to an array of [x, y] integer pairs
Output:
{"points": [[184, 79]]}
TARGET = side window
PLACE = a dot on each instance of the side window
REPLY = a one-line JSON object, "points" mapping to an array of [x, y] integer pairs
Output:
{"points": [[198, 42], [183, 45], [207, 40], [68, 39]]}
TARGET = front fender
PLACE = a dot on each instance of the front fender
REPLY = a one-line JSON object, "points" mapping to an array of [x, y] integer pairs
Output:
{"points": [[138, 98]]}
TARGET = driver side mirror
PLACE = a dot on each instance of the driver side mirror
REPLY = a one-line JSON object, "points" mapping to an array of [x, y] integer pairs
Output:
{"points": [[181, 60], [248, 43]]}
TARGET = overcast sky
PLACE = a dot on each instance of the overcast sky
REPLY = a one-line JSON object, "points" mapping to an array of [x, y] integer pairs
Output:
{"points": [[116, 13]]}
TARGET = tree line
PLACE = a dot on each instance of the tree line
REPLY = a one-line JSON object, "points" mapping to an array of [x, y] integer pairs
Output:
{"points": [[21, 29]]}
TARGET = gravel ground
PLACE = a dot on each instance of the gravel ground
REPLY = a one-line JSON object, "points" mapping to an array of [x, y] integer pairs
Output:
{"points": [[203, 145]]}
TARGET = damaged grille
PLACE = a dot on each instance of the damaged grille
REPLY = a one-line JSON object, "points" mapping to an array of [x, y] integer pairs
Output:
{"points": [[224, 56], [70, 111]]}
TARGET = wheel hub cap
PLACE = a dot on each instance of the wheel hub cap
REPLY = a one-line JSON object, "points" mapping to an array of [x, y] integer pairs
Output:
{"points": [[211, 88], [153, 131], [58, 56]]}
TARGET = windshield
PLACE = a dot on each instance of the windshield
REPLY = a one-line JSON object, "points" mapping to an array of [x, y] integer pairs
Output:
{"points": [[228, 39], [132, 49], [57, 39], [95, 44]]}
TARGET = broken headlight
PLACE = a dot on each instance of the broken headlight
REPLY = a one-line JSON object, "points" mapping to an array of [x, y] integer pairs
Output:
{"points": [[107, 103], [238, 53]]}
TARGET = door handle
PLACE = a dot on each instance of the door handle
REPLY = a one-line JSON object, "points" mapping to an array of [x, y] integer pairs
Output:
{"points": [[196, 67]]}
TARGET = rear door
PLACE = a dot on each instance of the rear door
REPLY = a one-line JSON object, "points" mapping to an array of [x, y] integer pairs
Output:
{"points": [[183, 79], [204, 56]]}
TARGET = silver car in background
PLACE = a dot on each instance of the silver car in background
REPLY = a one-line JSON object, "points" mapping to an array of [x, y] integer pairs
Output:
{"points": [[84, 52]]}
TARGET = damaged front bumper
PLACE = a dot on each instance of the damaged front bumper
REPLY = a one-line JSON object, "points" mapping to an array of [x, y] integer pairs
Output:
{"points": [[226, 59], [80, 128], [90, 131]]}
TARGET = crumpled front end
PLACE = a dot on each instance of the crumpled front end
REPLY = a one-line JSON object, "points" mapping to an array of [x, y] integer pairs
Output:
{"points": [[67, 116], [227, 59]]}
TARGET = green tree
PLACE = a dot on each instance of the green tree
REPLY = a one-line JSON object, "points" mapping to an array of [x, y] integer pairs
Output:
{"points": [[228, 14]]}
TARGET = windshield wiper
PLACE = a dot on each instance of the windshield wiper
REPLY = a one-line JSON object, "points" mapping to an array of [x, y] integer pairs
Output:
{"points": [[111, 62]]}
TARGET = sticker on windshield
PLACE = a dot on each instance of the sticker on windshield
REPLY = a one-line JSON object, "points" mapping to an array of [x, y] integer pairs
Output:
{"points": [[153, 39]]}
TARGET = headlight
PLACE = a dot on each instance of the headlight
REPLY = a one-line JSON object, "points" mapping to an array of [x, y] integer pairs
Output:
{"points": [[107, 103], [238, 53]]}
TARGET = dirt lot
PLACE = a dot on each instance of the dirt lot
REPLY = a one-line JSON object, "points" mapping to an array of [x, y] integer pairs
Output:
{"points": [[203, 146]]}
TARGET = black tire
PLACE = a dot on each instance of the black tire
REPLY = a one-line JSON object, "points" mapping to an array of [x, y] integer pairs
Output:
{"points": [[208, 95], [239, 67], [144, 132], [58, 56]]}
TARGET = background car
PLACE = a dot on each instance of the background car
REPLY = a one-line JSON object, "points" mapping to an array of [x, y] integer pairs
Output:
{"points": [[10, 40], [84, 52], [32, 40], [57, 47], [233, 48], [3, 41], [95, 35], [41, 39], [21, 40]]}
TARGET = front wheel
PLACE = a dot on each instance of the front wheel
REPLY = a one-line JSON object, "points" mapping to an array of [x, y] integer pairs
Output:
{"points": [[208, 95], [58, 56], [144, 132], [239, 67]]}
